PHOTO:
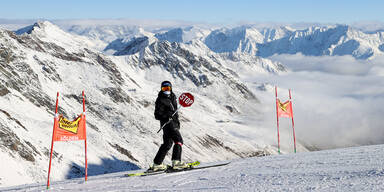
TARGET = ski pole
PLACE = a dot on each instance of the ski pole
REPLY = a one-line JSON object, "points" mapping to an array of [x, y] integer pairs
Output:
{"points": [[169, 120]]}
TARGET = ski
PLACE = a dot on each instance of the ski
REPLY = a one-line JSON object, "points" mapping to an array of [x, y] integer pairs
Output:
{"points": [[145, 173], [193, 166], [149, 172], [198, 167]]}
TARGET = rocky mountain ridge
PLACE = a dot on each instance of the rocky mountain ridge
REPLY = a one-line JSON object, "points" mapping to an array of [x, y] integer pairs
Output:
{"points": [[265, 42]]}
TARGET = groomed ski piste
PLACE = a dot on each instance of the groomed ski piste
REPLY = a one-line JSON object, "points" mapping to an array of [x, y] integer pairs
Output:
{"points": [[348, 169]]}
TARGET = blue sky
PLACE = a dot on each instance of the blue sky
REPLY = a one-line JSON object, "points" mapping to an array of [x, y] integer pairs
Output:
{"points": [[208, 11]]}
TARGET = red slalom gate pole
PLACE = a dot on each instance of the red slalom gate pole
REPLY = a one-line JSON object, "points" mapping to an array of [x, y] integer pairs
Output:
{"points": [[85, 140], [277, 116], [293, 123], [53, 134]]}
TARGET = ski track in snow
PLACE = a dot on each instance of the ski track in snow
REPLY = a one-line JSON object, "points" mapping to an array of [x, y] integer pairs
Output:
{"points": [[349, 169]]}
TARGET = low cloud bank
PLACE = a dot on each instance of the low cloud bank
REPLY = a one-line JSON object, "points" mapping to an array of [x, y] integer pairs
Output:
{"points": [[338, 100]]}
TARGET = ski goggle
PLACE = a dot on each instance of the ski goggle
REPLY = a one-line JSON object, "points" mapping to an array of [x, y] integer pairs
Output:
{"points": [[166, 88]]}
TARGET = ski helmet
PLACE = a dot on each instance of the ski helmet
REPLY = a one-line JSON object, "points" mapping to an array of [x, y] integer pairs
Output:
{"points": [[166, 87]]}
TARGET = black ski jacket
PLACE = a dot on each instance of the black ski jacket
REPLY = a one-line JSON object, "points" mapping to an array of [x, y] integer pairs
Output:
{"points": [[165, 106]]}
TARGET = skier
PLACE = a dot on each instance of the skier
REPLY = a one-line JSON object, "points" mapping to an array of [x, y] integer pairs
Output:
{"points": [[166, 105]]}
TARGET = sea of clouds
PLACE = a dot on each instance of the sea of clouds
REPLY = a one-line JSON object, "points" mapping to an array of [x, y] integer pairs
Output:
{"points": [[338, 100]]}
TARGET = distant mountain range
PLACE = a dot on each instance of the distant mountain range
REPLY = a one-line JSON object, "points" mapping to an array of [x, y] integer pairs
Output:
{"points": [[265, 42]]}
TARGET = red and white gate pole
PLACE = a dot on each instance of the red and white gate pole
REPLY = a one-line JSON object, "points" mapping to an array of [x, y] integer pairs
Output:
{"points": [[293, 123], [53, 134], [85, 140], [277, 116]]}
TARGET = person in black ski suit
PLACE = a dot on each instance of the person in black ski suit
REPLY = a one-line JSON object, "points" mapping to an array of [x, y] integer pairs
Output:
{"points": [[166, 106]]}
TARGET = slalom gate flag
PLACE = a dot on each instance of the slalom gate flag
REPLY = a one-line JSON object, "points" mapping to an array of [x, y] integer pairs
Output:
{"points": [[66, 130], [284, 109]]}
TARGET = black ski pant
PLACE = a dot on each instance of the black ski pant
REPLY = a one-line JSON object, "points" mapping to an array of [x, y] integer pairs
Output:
{"points": [[170, 136]]}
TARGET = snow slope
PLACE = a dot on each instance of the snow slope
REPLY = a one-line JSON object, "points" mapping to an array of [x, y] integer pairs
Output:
{"points": [[348, 169]]}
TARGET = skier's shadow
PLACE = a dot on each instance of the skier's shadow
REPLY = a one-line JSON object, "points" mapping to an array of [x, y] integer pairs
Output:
{"points": [[107, 166]]}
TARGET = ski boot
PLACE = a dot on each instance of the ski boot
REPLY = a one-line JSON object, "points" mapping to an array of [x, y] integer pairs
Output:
{"points": [[178, 165], [155, 167]]}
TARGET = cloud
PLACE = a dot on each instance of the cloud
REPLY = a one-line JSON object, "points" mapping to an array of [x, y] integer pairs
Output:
{"points": [[15, 24], [342, 65], [149, 24], [369, 26], [133, 22], [338, 100]]}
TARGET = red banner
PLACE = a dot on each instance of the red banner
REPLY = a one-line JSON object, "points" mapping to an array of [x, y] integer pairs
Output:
{"points": [[284, 109], [66, 130]]}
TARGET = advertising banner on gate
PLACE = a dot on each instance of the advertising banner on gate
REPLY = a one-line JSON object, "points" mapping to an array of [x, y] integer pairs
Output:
{"points": [[66, 130], [284, 109]]}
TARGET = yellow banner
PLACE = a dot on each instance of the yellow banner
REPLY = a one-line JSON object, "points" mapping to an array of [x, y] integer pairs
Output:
{"points": [[283, 106], [71, 126]]}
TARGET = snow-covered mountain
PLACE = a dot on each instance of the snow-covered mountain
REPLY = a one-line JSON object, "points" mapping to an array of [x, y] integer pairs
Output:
{"points": [[313, 41], [123, 46], [239, 39], [42, 59], [331, 40], [264, 42], [108, 33], [349, 169]]}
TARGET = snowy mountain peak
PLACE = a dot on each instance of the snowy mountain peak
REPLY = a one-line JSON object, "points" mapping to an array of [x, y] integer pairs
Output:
{"points": [[108, 33], [133, 46], [271, 34], [183, 35], [174, 35], [49, 33], [40, 26], [45, 25], [239, 39]]}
